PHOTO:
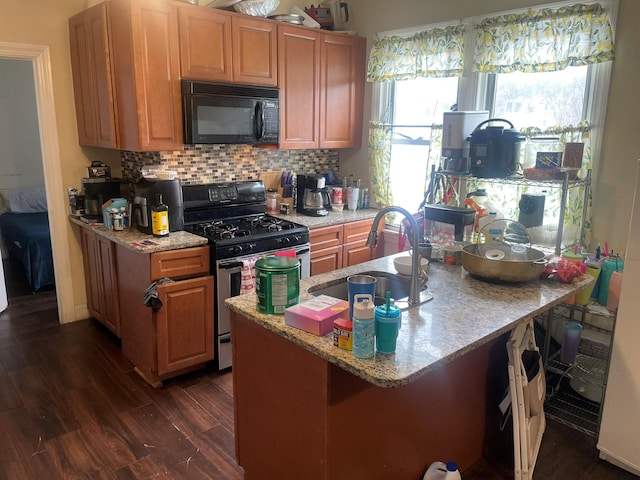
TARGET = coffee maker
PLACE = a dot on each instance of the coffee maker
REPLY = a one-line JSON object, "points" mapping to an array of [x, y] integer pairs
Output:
{"points": [[97, 191], [312, 195], [145, 195]]}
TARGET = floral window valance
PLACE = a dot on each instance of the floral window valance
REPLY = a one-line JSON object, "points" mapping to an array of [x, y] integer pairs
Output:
{"points": [[432, 53], [543, 40]]}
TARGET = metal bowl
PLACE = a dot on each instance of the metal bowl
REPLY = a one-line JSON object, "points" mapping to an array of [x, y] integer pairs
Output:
{"points": [[288, 18], [525, 267]]}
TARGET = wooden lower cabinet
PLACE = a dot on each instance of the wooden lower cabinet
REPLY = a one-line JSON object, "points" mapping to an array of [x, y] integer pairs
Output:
{"points": [[178, 337], [339, 246], [101, 279]]}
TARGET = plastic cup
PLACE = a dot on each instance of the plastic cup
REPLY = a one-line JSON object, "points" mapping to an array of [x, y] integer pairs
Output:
{"points": [[570, 340], [388, 325], [360, 285], [583, 297], [352, 198]]}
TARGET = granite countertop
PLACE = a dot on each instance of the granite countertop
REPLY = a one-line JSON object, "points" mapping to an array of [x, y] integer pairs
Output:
{"points": [[332, 218], [465, 313], [133, 239]]}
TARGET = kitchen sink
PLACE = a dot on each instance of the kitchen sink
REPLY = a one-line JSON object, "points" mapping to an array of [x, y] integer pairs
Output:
{"points": [[385, 281]]}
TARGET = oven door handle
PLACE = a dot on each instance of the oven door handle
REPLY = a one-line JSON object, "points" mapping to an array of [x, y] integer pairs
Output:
{"points": [[225, 338], [229, 265], [302, 252]]}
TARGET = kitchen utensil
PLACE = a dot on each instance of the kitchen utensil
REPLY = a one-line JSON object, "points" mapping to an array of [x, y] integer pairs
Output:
{"points": [[288, 18], [256, 8], [502, 269], [337, 9], [403, 264]]}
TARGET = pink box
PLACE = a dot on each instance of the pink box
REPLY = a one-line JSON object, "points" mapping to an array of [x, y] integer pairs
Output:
{"points": [[316, 315]]}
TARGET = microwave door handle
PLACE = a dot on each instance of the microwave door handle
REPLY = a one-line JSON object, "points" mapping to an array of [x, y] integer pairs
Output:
{"points": [[259, 121]]}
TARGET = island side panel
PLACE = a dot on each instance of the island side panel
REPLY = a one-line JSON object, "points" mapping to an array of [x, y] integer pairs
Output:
{"points": [[280, 399], [396, 433], [295, 412]]}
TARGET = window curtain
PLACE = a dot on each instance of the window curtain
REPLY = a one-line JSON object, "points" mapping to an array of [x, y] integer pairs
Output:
{"points": [[543, 40], [548, 40], [431, 53]]}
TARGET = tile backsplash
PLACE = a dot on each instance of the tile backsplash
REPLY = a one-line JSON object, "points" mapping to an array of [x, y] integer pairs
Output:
{"points": [[227, 163]]}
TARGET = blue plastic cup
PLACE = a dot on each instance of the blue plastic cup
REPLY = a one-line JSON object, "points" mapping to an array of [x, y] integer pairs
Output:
{"points": [[360, 285], [388, 323]]}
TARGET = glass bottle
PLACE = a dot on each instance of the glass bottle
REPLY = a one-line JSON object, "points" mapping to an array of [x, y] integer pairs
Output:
{"points": [[160, 218]]}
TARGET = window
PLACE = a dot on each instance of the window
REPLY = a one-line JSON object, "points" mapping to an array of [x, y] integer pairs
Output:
{"points": [[543, 99], [417, 105], [564, 94]]}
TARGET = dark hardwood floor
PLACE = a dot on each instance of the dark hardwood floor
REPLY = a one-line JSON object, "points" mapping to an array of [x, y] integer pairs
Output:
{"points": [[71, 406]]}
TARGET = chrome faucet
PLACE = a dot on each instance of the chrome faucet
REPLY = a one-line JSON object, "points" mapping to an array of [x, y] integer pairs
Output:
{"points": [[372, 242]]}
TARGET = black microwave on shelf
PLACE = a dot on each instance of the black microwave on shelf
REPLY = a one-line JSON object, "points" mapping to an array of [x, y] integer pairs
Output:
{"points": [[228, 113]]}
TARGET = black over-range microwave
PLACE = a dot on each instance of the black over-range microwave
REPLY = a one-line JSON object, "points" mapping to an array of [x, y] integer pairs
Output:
{"points": [[226, 113]]}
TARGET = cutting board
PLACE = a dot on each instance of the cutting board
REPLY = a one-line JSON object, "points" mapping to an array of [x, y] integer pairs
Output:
{"points": [[272, 180]]}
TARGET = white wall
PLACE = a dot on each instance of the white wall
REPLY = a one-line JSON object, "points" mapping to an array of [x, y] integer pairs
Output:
{"points": [[20, 155]]}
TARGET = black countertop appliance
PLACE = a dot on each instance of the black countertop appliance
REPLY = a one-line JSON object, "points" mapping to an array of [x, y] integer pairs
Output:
{"points": [[494, 151], [97, 191], [145, 194]]}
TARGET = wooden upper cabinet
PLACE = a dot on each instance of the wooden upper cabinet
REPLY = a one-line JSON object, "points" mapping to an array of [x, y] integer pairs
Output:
{"points": [[299, 81], [321, 76], [126, 75], [220, 46], [92, 81], [342, 67], [255, 51], [205, 43]]}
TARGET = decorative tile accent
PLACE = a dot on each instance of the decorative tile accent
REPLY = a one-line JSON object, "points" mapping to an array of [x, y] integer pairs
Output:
{"points": [[228, 163]]}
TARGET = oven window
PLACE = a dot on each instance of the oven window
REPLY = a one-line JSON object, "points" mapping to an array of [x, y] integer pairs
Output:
{"points": [[220, 120]]}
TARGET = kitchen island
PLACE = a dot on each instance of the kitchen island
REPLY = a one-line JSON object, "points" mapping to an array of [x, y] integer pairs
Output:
{"points": [[304, 406]]}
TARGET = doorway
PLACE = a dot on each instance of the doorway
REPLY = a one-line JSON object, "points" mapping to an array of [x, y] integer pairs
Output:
{"points": [[56, 200]]}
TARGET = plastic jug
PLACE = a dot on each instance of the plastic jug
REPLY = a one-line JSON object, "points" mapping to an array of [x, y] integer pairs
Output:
{"points": [[442, 471]]}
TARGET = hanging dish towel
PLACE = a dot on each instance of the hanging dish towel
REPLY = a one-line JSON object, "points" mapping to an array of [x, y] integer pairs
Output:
{"points": [[248, 274]]}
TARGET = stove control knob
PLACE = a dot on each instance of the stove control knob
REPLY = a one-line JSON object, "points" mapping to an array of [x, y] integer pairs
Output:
{"points": [[236, 249], [249, 247], [285, 240]]}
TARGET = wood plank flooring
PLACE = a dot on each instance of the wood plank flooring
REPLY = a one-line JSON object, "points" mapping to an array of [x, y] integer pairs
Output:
{"points": [[71, 406]]}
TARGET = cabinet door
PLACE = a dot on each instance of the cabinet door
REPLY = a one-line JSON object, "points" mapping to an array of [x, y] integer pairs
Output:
{"points": [[255, 51], [90, 258], [355, 239], [101, 279], [109, 284], [342, 76], [205, 44], [92, 82], [184, 324], [325, 260], [326, 249], [298, 77], [151, 114]]}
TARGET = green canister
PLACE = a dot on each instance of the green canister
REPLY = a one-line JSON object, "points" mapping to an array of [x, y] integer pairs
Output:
{"points": [[277, 284]]}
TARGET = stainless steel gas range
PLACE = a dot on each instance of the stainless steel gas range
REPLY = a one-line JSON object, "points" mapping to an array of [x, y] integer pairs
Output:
{"points": [[232, 217]]}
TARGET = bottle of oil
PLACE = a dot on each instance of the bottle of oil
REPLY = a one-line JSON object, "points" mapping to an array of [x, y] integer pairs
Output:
{"points": [[160, 218]]}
